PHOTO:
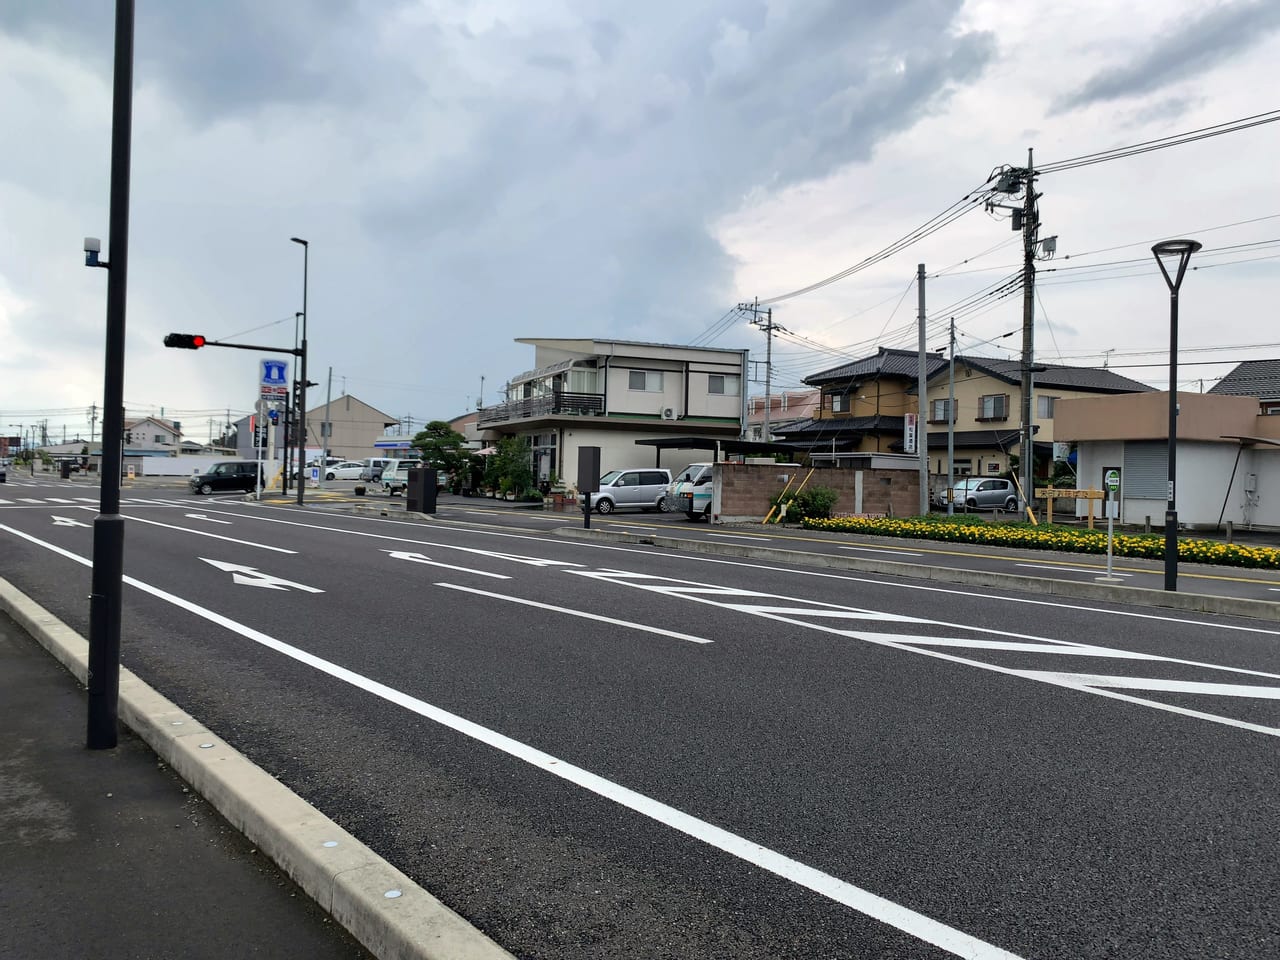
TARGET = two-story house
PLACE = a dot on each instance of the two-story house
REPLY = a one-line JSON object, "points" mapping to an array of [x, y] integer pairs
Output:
{"points": [[611, 393], [988, 410], [865, 403]]}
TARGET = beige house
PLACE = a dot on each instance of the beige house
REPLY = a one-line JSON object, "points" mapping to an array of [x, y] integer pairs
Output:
{"points": [[611, 393], [354, 427], [1228, 456]]}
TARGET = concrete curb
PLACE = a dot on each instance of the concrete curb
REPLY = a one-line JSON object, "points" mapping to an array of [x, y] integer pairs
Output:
{"points": [[1140, 596], [339, 872]]}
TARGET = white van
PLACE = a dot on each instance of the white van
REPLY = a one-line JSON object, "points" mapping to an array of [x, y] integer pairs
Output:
{"points": [[395, 476], [691, 491], [636, 487]]}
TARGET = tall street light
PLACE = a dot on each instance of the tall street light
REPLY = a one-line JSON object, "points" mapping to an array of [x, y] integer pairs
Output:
{"points": [[1175, 254], [302, 390]]}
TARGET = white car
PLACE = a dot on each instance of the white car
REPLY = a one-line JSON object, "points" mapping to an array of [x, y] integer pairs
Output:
{"points": [[346, 470]]}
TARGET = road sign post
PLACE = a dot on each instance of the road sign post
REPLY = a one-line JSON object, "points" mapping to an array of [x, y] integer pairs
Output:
{"points": [[1111, 485]]}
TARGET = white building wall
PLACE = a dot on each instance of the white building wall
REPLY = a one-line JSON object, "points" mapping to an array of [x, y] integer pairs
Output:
{"points": [[1204, 481], [618, 452]]}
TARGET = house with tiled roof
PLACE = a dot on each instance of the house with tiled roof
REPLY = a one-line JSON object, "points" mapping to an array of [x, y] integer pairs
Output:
{"points": [[865, 403], [1253, 378]]}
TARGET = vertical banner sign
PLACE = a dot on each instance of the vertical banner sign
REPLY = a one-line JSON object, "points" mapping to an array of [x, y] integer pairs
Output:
{"points": [[909, 433]]}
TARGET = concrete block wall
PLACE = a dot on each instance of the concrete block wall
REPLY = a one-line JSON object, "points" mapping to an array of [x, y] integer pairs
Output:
{"points": [[746, 489]]}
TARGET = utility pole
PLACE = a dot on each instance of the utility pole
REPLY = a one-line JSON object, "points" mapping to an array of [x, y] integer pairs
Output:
{"points": [[1030, 237], [768, 326], [93, 421], [951, 419], [922, 385]]}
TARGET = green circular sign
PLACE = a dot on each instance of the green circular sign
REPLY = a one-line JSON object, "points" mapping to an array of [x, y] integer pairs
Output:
{"points": [[1112, 480]]}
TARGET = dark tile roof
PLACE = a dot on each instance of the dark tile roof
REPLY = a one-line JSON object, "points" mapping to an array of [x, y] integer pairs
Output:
{"points": [[1094, 379], [1252, 378], [837, 426], [886, 362]]}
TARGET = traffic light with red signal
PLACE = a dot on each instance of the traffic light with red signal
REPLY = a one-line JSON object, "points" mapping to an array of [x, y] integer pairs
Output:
{"points": [[186, 341]]}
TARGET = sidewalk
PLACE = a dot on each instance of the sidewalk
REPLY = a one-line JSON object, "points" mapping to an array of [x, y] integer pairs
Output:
{"points": [[107, 853]]}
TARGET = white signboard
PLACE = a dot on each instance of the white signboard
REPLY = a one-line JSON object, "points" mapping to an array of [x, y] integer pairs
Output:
{"points": [[909, 433]]}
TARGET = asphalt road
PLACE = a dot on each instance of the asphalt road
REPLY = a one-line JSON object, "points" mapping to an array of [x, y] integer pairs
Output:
{"points": [[595, 750]]}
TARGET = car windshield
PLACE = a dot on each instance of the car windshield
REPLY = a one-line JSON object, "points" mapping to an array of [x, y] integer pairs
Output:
{"points": [[689, 473], [609, 477]]}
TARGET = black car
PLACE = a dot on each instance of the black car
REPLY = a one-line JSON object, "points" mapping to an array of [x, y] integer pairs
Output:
{"points": [[232, 475]]}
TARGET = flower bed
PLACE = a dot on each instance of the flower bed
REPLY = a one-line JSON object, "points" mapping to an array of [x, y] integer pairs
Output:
{"points": [[1047, 537]]}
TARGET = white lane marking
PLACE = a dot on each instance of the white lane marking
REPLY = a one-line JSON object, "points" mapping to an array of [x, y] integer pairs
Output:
{"points": [[738, 536], [1156, 684], [901, 553], [643, 627], [253, 577], [712, 594], [68, 522], [793, 571], [201, 516], [29, 500], [87, 499], [419, 558], [206, 533], [914, 924], [1088, 572], [6, 502], [58, 500]]}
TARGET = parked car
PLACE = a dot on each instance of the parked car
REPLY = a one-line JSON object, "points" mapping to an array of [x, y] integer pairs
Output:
{"points": [[644, 489], [232, 475], [395, 477], [975, 493], [690, 491], [373, 468], [345, 470]]}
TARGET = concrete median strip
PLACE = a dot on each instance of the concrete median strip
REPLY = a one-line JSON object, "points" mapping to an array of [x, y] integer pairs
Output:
{"points": [[1074, 589], [384, 909]]}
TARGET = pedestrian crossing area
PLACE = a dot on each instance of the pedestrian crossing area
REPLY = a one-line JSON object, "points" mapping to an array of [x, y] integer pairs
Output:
{"points": [[9, 499]]}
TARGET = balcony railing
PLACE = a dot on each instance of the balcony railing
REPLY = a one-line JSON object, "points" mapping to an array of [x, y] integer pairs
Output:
{"points": [[556, 404]]}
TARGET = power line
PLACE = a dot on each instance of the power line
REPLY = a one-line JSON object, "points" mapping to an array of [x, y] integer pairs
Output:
{"points": [[1160, 143], [931, 226]]}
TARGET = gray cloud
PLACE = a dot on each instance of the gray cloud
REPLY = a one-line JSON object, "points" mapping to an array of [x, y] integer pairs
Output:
{"points": [[1191, 48]]}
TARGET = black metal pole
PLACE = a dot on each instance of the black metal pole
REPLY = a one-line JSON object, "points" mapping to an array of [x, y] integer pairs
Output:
{"points": [[302, 393], [108, 526], [1171, 511]]}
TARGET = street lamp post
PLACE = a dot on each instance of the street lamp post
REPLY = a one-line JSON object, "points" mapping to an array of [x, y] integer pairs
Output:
{"points": [[1174, 253], [302, 390]]}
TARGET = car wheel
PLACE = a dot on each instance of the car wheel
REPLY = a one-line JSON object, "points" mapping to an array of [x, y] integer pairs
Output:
{"points": [[971, 504], [664, 504], [329, 476], [206, 489], [1011, 503], [605, 506], [691, 515], [706, 514]]}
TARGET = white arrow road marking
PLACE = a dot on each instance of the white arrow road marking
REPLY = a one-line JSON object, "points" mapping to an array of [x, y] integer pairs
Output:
{"points": [[214, 536], [953, 941], [67, 522], [201, 516], [253, 577], [577, 613], [419, 558]]}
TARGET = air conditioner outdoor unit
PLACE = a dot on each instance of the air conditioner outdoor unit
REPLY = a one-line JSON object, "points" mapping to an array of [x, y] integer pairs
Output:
{"points": [[668, 413]]}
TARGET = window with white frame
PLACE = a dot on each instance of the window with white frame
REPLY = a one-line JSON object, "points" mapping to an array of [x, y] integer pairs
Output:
{"points": [[839, 402], [938, 410], [650, 381], [993, 406], [1044, 407], [726, 384]]}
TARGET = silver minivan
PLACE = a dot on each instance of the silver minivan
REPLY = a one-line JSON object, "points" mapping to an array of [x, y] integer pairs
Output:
{"points": [[645, 489]]}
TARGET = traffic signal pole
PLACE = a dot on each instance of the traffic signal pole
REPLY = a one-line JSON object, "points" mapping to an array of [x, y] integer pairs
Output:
{"points": [[108, 527]]}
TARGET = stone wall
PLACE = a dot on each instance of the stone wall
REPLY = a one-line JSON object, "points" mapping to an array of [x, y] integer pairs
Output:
{"points": [[746, 489]]}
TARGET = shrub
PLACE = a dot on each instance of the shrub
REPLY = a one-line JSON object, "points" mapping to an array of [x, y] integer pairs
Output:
{"points": [[811, 503]]}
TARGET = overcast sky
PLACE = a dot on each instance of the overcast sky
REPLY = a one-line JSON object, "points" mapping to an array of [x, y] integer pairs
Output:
{"points": [[470, 172]]}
